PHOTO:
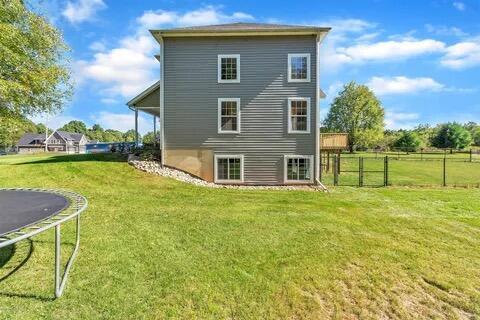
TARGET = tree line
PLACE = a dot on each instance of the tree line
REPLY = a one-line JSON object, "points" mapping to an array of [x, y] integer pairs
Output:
{"points": [[359, 113]]}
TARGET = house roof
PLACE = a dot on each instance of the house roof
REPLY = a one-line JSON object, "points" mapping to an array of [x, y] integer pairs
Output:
{"points": [[70, 135], [241, 28], [28, 138]]}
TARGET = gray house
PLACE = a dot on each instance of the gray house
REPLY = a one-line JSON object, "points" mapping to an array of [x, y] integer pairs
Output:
{"points": [[238, 103], [58, 141]]}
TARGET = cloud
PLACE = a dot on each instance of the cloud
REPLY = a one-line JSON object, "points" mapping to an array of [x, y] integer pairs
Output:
{"points": [[402, 85], [445, 31], [202, 16], [462, 55], [122, 121], [460, 6], [53, 122], [82, 10], [130, 67], [400, 120], [389, 50]]}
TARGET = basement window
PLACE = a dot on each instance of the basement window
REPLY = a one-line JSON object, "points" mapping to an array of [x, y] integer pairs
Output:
{"points": [[298, 168], [228, 168]]}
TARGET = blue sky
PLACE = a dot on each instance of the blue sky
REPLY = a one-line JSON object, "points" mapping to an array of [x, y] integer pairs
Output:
{"points": [[422, 58]]}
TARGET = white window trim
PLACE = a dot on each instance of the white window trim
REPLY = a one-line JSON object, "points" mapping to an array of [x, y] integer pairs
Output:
{"points": [[228, 156], [219, 68], [285, 168], [298, 55], [289, 106], [219, 115]]}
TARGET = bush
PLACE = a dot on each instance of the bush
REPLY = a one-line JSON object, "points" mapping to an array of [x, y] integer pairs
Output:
{"points": [[148, 153], [409, 141]]}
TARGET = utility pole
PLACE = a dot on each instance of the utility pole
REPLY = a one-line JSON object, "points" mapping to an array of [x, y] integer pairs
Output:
{"points": [[46, 132]]}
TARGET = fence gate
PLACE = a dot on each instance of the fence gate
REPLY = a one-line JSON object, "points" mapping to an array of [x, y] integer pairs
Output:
{"points": [[360, 171]]}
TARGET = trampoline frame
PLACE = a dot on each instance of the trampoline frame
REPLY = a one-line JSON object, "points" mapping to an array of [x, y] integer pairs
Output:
{"points": [[77, 204]]}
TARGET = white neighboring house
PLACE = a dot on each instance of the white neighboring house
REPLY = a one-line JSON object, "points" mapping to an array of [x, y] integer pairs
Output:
{"points": [[58, 141]]}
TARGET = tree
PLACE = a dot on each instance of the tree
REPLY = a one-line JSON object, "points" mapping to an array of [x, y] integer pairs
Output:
{"points": [[129, 136], [12, 127], [41, 128], [95, 133], [75, 126], [453, 135], [476, 137], [149, 138], [34, 76], [111, 135], [358, 112], [409, 141]]}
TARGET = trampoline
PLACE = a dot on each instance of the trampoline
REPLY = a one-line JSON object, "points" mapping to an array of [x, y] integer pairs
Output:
{"points": [[25, 213]]}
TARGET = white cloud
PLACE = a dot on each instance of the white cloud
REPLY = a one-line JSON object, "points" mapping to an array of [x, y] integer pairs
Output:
{"points": [[334, 89], [53, 122], [402, 85], [130, 67], [202, 16], [462, 55], [445, 31], [122, 121], [389, 50], [82, 10], [400, 120], [109, 101], [460, 6]]}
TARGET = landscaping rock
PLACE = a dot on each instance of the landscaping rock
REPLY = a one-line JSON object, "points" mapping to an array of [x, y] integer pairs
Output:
{"points": [[155, 168]]}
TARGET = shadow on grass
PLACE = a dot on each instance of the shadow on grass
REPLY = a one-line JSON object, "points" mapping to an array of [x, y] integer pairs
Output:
{"points": [[99, 157]]}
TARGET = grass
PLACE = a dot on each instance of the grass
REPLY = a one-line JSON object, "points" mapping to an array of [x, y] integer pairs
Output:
{"points": [[408, 170], [153, 247]]}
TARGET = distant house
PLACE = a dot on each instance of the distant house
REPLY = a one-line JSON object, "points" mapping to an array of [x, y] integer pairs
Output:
{"points": [[58, 141]]}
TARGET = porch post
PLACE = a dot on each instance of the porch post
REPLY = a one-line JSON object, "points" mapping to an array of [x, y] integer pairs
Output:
{"points": [[154, 130], [136, 127]]}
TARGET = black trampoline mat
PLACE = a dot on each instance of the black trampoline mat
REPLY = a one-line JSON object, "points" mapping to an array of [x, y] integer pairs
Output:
{"points": [[21, 208]]}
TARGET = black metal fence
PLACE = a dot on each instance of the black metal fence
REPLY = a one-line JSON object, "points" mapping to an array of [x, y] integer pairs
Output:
{"points": [[375, 171]]}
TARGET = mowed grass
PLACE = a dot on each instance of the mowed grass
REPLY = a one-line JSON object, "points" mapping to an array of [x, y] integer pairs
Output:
{"points": [[152, 247], [408, 170]]}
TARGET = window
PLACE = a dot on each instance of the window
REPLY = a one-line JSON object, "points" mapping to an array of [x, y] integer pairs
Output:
{"points": [[298, 168], [228, 115], [228, 68], [298, 115], [229, 168], [299, 67]]}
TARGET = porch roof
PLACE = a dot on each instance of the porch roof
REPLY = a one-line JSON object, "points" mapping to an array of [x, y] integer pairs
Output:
{"points": [[148, 100]]}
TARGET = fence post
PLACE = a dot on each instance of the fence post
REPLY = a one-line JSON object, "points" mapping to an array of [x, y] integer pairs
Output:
{"points": [[444, 172], [360, 171], [335, 171], [385, 172]]}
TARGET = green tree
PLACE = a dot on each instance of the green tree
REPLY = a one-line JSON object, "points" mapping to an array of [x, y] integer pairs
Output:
{"points": [[75, 126], [409, 141], [453, 135], [476, 137], [111, 135], [358, 112], [149, 138], [41, 128], [12, 127], [34, 76], [95, 133], [129, 136]]}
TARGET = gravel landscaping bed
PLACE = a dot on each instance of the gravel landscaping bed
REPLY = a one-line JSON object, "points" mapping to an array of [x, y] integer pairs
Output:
{"points": [[155, 168]]}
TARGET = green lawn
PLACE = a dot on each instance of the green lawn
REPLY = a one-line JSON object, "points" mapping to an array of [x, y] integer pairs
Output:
{"points": [[153, 247], [408, 170]]}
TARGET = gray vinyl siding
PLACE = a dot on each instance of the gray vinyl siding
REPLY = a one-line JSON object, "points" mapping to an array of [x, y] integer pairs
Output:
{"points": [[192, 92]]}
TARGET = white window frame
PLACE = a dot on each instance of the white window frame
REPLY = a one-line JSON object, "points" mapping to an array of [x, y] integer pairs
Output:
{"points": [[298, 55], [289, 106], [228, 156], [285, 168], [219, 68], [219, 115]]}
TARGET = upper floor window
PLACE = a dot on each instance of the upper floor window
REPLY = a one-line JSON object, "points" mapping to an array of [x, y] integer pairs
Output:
{"points": [[298, 115], [228, 68], [228, 115], [299, 67]]}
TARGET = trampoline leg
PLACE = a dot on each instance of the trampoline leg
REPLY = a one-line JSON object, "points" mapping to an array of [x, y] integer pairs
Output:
{"points": [[61, 280]]}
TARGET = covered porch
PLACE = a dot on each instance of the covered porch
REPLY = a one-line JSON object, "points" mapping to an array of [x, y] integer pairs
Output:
{"points": [[148, 102]]}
